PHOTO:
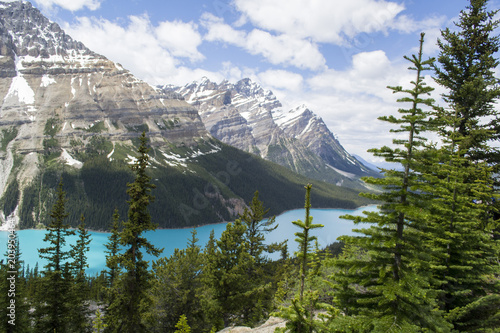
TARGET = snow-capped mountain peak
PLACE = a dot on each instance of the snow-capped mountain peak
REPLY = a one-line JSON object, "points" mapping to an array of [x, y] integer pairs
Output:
{"points": [[249, 117]]}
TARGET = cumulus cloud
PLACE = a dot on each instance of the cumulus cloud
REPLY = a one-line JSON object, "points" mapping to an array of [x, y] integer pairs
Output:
{"points": [[281, 79], [153, 53], [322, 21], [351, 100], [282, 49], [181, 39], [72, 5]]}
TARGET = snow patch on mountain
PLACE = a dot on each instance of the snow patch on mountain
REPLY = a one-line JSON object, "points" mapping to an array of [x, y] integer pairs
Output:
{"points": [[65, 156], [19, 87]]}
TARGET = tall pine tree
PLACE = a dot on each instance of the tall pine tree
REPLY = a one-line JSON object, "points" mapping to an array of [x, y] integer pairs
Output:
{"points": [[80, 312], [466, 68], [393, 292], [465, 170], [300, 314], [54, 296], [131, 290]]}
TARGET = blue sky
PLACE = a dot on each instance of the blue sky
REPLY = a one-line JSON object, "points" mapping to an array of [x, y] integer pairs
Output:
{"points": [[335, 56]]}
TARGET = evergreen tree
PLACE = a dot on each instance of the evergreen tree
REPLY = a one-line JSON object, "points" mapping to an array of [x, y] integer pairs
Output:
{"points": [[256, 223], [54, 296], [182, 325], [98, 323], [112, 250], [393, 291], [131, 290], [176, 290], [466, 170], [209, 303], [466, 68], [300, 314], [259, 276], [226, 274], [466, 256], [80, 290]]}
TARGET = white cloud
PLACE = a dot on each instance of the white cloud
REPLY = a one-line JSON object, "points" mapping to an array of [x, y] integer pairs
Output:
{"points": [[350, 101], [144, 49], [72, 5], [323, 21], [181, 39], [280, 49], [281, 79]]}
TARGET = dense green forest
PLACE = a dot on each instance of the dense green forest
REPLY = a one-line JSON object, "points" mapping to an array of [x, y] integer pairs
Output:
{"points": [[428, 261], [213, 184]]}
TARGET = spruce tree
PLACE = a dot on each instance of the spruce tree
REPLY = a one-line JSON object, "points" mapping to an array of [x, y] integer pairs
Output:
{"points": [[466, 171], [54, 296], [226, 275], [391, 289], [182, 325], [112, 250], [257, 225], [300, 314], [465, 260], [259, 278], [466, 68], [80, 290], [131, 290], [176, 290]]}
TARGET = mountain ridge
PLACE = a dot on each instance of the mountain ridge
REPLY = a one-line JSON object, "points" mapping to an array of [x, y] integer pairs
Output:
{"points": [[70, 114], [251, 118]]}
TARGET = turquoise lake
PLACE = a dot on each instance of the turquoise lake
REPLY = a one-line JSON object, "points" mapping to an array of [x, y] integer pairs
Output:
{"points": [[170, 239]]}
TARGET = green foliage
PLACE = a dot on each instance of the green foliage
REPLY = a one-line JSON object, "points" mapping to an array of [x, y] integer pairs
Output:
{"points": [[256, 225], [54, 297], [98, 323], [226, 272], [112, 251], [79, 250], [182, 326], [466, 68], [97, 127], [176, 290], [10, 198], [52, 127], [8, 135], [79, 310], [390, 290], [98, 145], [131, 299], [462, 176], [300, 314]]}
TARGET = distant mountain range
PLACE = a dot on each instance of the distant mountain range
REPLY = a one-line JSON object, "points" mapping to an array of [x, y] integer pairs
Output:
{"points": [[246, 116], [70, 114]]}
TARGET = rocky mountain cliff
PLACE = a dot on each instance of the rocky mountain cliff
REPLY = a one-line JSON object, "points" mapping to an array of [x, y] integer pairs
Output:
{"points": [[251, 118], [69, 113]]}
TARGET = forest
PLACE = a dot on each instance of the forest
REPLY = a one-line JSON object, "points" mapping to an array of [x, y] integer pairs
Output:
{"points": [[426, 261]]}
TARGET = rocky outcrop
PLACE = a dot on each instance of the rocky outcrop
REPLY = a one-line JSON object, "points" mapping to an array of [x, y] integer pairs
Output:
{"points": [[268, 327]]}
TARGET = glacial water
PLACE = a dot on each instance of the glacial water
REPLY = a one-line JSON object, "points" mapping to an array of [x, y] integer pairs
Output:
{"points": [[170, 239]]}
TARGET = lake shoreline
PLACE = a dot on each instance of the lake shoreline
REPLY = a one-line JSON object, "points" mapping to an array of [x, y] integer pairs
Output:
{"points": [[209, 224]]}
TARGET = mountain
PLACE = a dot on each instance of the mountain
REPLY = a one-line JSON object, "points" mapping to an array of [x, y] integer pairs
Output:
{"points": [[70, 114], [251, 118]]}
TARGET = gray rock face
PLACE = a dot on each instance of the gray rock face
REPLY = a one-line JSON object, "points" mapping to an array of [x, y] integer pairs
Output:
{"points": [[248, 117], [45, 74], [53, 86]]}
